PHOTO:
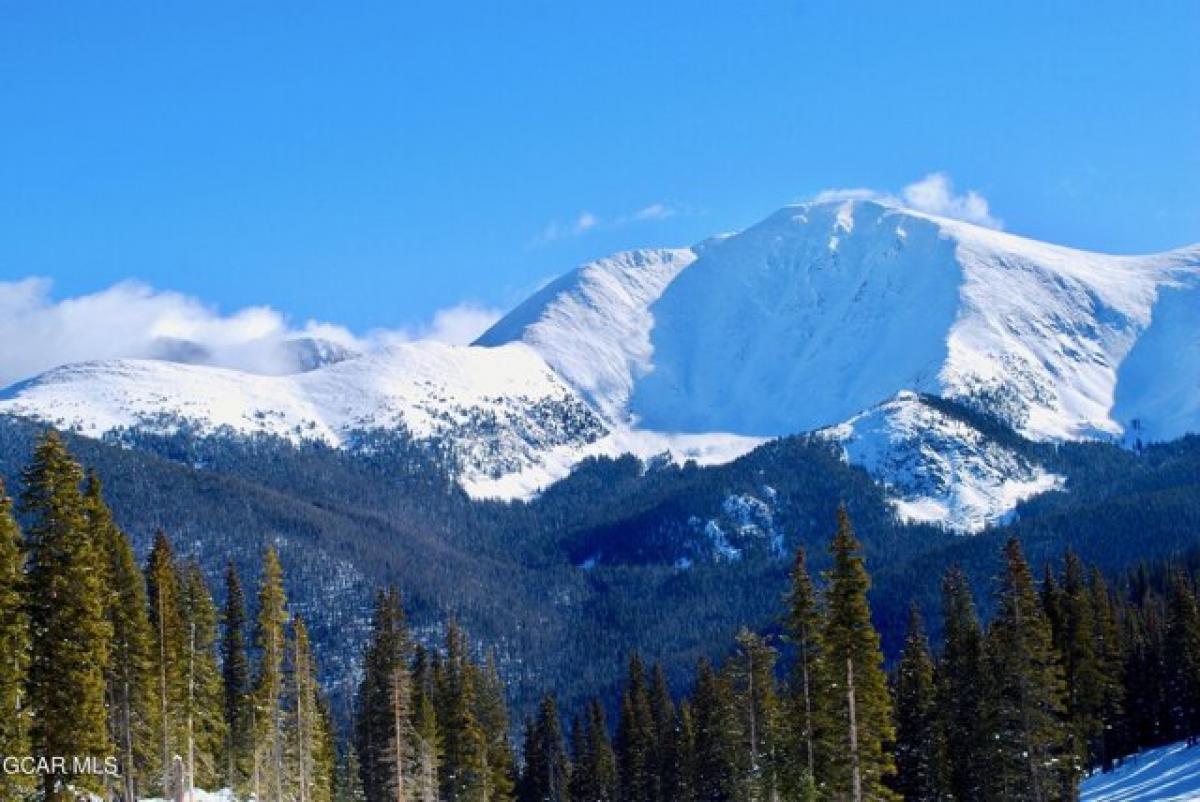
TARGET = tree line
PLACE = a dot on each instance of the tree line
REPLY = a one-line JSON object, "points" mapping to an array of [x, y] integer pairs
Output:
{"points": [[103, 657], [1070, 677]]}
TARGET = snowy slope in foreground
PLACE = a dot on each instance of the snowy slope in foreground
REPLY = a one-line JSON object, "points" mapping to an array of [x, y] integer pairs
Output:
{"points": [[936, 468], [1167, 774]]}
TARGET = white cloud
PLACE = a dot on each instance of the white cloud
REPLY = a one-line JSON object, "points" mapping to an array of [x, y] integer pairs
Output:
{"points": [[933, 194], [584, 223], [459, 325], [39, 332], [553, 231], [655, 211], [590, 221]]}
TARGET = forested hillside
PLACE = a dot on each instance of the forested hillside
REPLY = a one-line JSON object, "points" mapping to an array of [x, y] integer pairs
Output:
{"points": [[664, 559], [136, 671]]}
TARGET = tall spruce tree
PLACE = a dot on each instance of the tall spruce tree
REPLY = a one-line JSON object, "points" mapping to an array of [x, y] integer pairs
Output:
{"points": [[594, 766], [235, 683], [752, 672], [960, 682], [546, 777], [803, 624], [14, 650], [687, 773], [427, 743], [1149, 709], [269, 770], [325, 758], [1110, 654], [1025, 709], [1075, 639], [716, 737], [308, 727], [856, 731], [67, 606], [348, 787], [203, 701], [166, 654], [386, 737], [919, 752], [1182, 654], [664, 759], [464, 762], [500, 763], [635, 737], [130, 680]]}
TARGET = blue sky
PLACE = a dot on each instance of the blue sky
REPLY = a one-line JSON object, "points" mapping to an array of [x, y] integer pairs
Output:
{"points": [[370, 163]]}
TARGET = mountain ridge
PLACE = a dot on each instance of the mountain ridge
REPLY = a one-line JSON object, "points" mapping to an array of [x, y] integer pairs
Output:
{"points": [[820, 317]]}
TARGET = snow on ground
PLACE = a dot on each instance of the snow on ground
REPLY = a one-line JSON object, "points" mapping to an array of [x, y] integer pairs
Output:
{"points": [[704, 449], [1167, 774], [224, 795]]}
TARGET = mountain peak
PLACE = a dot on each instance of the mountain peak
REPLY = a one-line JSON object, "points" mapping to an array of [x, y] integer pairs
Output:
{"points": [[798, 323]]}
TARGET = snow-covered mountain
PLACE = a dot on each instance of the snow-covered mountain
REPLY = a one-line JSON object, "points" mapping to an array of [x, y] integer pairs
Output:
{"points": [[825, 316], [938, 468]]}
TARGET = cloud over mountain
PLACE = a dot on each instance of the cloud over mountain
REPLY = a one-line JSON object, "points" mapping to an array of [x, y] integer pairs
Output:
{"points": [[130, 319]]}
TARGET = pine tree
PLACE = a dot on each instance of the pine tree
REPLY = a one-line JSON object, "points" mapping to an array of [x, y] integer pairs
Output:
{"points": [[493, 721], [960, 690], [130, 679], [803, 625], [547, 770], [1075, 639], [1182, 654], [166, 654], [14, 650], [1024, 706], [325, 758], [686, 776], [235, 683], [717, 747], [855, 729], [635, 733], [348, 787], [594, 769], [427, 743], [464, 776], [752, 672], [387, 741], [269, 770], [394, 761], [664, 737], [70, 631], [918, 744], [580, 784], [1110, 654], [203, 708], [308, 724], [1148, 714]]}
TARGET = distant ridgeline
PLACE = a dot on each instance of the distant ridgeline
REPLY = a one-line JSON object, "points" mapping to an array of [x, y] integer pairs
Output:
{"points": [[135, 662]]}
